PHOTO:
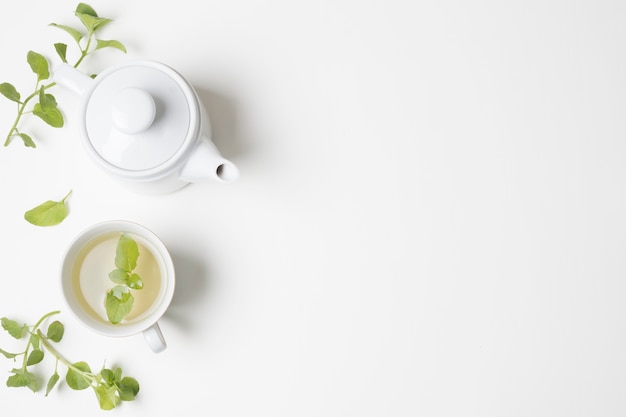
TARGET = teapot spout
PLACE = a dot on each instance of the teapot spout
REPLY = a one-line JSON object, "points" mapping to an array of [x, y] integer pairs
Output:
{"points": [[69, 77], [206, 162]]}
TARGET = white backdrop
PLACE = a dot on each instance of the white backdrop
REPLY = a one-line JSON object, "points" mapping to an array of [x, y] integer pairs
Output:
{"points": [[429, 219]]}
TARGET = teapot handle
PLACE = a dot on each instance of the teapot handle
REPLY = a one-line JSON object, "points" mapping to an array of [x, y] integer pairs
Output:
{"points": [[68, 76]]}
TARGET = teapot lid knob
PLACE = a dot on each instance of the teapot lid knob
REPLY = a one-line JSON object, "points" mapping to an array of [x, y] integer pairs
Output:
{"points": [[133, 110]]}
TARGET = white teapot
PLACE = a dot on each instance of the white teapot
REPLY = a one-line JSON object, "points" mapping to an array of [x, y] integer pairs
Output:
{"points": [[144, 124]]}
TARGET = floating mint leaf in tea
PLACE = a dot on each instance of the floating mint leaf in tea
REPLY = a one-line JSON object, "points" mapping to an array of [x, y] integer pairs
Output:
{"points": [[119, 300], [49, 213]]}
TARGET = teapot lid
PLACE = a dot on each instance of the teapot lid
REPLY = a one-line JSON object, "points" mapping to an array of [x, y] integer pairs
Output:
{"points": [[139, 118]]}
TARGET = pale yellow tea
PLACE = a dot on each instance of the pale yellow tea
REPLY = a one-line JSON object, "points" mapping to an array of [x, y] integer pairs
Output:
{"points": [[90, 277]]}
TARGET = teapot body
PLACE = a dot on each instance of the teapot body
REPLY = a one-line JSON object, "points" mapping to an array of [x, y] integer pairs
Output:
{"points": [[143, 124]]}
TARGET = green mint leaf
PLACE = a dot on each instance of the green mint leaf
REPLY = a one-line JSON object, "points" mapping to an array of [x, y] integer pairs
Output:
{"points": [[86, 9], [135, 282], [61, 49], [126, 253], [110, 44], [108, 376], [76, 378], [9, 91], [55, 331], [52, 382], [28, 141], [117, 374], [74, 33], [91, 23], [34, 341], [107, 397], [21, 378], [51, 116], [119, 276], [39, 65], [13, 328], [118, 303], [49, 213], [34, 357], [47, 101], [129, 388], [9, 355]]}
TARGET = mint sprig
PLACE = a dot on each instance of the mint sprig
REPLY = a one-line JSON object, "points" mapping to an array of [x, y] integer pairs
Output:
{"points": [[46, 107], [109, 385], [119, 299]]}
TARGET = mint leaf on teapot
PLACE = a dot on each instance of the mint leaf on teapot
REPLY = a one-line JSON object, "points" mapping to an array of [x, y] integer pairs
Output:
{"points": [[49, 213]]}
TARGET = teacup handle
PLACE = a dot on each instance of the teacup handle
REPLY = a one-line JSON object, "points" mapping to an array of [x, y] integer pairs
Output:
{"points": [[155, 339]]}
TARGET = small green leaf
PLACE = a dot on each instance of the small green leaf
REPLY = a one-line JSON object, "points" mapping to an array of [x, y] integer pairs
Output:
{"points": [[52, 382], [129, 388], [118, 303], [74, 33], [135, 282], [49, 213], [91, 23], [61, 49], [39, 65], [34, 357], [9, 355], [108, 376], [13, 328], [127, 253], [9, 91], [86, 9], [107, 397], [119, 276], [76, 379], [55, 331], [110, 44], [28, 141], [21, 378], [35, 341], [52, 116]]}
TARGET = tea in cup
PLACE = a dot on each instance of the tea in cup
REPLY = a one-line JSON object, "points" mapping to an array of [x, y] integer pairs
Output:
{"points": [[117, 279]]}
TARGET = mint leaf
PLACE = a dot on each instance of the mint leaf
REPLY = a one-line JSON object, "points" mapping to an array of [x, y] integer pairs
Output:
{"points": [[86, 9], [55, 331], [135, 282], [39, 65], [118, 303], [9, 91], [28, 141], [52, 382], [9, 355], [13, 328], [74, 33], [49, 213], [21, 378], [34, 357], [129, 388], [110, 44], [119, 276], [61, 49], [76, 377], [126, 253], [107, 396]]}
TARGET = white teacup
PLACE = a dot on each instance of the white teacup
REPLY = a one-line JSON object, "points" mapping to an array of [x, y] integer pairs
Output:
{"points": [[84, 281]]}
